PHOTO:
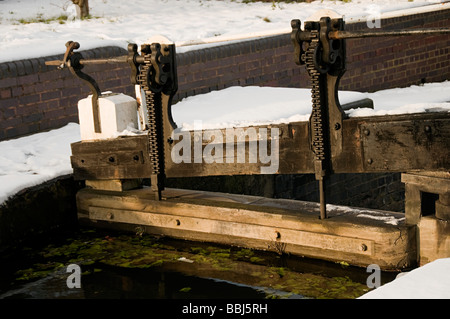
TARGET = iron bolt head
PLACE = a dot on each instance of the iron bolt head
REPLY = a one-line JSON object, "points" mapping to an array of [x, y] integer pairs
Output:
{"points": [[332, 57], [163, 79]]}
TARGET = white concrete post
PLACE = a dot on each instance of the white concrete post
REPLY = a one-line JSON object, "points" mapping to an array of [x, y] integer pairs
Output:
{"points": [[117, 113]]}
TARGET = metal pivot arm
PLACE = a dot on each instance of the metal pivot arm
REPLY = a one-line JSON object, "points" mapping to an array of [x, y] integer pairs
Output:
{"points": [[73, 61], [155, 71], [321, 46], [372, 34], [325, 63]]}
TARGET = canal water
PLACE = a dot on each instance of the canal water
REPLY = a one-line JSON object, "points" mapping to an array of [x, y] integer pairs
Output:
{"points": [[117, 265]]}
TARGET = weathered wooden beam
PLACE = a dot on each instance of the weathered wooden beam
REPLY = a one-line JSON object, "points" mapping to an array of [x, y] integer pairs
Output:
{"points": [[294, 154], [408, 142], [357, 236], [120, 158], [394, 143], [434, 239]]}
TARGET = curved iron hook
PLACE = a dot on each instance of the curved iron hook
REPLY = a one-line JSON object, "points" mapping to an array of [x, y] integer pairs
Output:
{"points": [[73, 61]]}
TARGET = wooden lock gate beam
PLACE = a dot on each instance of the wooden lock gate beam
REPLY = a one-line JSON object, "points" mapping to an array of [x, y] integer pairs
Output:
{"points": [[329, 143]]}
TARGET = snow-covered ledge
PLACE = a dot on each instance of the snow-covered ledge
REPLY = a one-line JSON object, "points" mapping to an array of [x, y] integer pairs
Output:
{"points": [[431, 281]]}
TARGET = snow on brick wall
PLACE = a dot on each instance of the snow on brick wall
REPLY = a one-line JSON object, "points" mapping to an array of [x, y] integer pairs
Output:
{"points": [[35, 97]]}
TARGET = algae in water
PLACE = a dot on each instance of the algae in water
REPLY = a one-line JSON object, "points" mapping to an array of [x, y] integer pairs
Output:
{"points": [[91, 250]]}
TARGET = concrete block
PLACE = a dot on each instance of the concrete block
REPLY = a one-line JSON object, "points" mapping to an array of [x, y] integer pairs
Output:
{"points": [[116, 112]]}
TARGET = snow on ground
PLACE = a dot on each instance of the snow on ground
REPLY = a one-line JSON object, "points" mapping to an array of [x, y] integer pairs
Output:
{"points": [[430, 97], [431, 281], [253, 105], [244, 106], [35, 159], [118, 22], [386, 217]]}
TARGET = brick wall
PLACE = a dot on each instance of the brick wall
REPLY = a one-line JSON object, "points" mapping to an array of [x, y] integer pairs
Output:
{"points": [[35, 97], [374, 190], [382, 63]]}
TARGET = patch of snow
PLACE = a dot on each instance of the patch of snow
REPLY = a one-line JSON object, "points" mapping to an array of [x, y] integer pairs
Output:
{"points": [[254, 105], [117, 23], [35, 159], [392, 220], [431, 281], [429, 97], [131, 130], [364, 213]]}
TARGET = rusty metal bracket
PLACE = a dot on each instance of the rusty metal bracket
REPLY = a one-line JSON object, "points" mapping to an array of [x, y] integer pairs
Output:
{"points": [[154, 69], [157, 76], [325, 63], [321, 46], [72, 60]]}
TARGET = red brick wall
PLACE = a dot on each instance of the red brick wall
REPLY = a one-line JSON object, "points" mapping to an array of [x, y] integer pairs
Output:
{"points": [[35, 97], [381, 63]]}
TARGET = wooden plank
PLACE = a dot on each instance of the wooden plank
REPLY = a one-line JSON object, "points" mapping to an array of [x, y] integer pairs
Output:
{"points": [[434, 239], [120, 158], [437, 184], [250, 221], [294, 154], [289, 213], [395, 143], [235, 228], [114, 185], [415, 143], [109, 145]]}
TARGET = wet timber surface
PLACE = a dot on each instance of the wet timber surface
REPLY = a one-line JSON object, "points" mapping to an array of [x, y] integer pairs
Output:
{"points": [[124, 265]]}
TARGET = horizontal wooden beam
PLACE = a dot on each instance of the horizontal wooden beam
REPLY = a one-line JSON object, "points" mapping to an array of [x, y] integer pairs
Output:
{"points": [[120, 158], [357, 236], [394, 143]]}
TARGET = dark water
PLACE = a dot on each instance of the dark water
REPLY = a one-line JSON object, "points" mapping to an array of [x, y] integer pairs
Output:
{"points": [[134, 266]]}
